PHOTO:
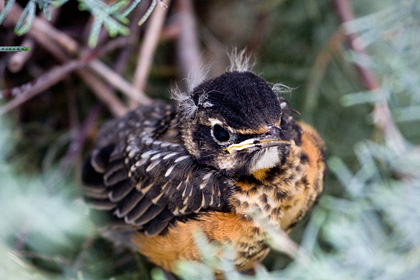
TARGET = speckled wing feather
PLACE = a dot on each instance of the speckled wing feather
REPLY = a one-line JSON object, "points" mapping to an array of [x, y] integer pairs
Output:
{"points": [[146, 178]]}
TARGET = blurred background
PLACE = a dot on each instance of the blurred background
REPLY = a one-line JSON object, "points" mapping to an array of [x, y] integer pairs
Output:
{"points": [[353, 65]]}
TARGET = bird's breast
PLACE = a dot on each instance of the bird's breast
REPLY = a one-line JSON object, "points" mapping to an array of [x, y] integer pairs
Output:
{"points": [[283, 194], [222, 230]]}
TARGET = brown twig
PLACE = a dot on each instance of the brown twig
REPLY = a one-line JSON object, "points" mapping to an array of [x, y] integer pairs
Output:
{"points": [[31, 89], [99, 88], [117, 81], [77, 143], [103, 92], [147, 50], [345, 14], [19, 59], [125, 55], [188, 47], [111, 76], [382, 114], [39, 33], [74, 121]]}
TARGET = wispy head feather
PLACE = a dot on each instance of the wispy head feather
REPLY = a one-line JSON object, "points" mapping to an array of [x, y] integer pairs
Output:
{"points": [[280, 88], [185, 103], [240, 61]]}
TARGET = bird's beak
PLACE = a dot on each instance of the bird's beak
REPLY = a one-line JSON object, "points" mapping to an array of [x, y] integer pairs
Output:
{"points": [[271, 138]]}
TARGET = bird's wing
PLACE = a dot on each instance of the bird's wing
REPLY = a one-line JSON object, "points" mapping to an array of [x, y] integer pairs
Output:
{"points": [[151, 183]]}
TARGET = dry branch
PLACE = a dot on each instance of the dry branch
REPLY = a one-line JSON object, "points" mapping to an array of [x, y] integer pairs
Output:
{"points": [[118, 82], [382, 114], [31, 89], [188, 47], [125, 54], [60, 45], [77, 143], [147, 50], [18, 60], [103, 92]]}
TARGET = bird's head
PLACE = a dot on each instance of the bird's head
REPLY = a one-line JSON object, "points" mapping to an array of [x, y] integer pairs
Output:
{"points": [[236, 124]]}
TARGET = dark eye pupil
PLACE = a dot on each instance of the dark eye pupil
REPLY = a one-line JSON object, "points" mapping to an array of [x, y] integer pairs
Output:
{"points": [[220, 133]]}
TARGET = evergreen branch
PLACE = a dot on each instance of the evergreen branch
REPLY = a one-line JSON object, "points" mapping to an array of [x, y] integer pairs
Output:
{"points": [[58, 3], [148, 12], [109, 16], [105, 15], [130, 8], [28, 15], [26, 19], [45, 7], [6, 10]]}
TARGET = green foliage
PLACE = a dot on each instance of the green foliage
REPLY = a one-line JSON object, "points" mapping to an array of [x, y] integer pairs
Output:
{"points": [[113, 17], [28, 15], [105, 15], [40, 220]]}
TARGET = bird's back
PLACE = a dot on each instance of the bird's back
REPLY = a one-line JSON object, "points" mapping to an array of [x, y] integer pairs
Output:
{"points": [[141, 174]]}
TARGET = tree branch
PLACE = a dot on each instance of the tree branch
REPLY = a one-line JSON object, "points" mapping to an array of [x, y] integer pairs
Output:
{"points": [[147, 50], [382, 114], [61, 46], [188, 47], [117, 81], [29, 90]]}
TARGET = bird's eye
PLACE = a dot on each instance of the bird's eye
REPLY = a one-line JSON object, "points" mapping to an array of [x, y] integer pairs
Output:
{"points": [[220, 133]]}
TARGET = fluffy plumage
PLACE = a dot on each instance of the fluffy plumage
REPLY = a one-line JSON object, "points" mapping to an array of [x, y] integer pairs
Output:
{"points": [[229, 147]]}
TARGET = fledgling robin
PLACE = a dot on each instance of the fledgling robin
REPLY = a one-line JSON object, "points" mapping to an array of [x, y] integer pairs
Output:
{"points": [[228, 148]]}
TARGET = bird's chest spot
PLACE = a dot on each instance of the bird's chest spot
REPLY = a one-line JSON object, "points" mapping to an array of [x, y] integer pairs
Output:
{"points": [[250, 251], [277, 194]]}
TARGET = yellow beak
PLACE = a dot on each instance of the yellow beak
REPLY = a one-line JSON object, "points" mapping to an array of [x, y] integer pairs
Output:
{"points": [[258, 143]]}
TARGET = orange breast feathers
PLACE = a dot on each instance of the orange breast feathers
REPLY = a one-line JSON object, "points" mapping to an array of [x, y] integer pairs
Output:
{"points": [[179, 243], [310, 187], [313, 146]]}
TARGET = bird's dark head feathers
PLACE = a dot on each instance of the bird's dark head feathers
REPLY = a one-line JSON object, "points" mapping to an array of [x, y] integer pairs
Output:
{"points": [[243, 99], [236, 123]]}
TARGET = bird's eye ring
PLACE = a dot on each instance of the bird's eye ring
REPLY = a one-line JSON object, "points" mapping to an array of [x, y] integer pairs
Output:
{"points": [[220, 133]]}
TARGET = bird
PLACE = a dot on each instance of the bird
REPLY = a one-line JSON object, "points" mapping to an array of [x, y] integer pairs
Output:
{"points": [[227, 148]]}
